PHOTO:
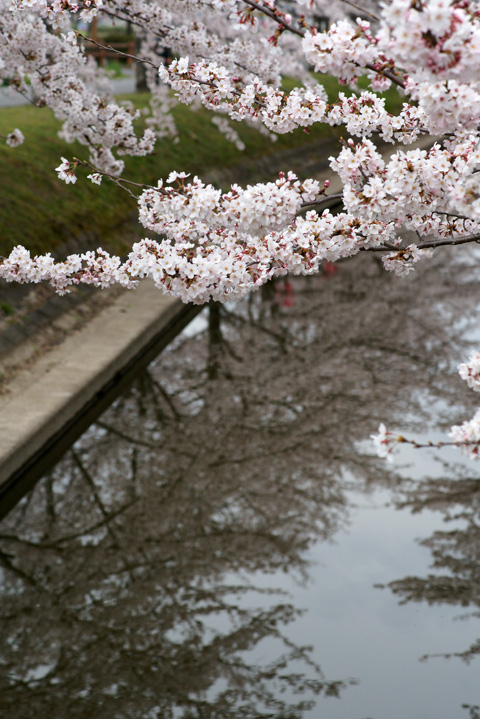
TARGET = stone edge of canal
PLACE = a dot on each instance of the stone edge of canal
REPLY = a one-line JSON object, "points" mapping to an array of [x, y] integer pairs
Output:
{"points": [[51, 403]]}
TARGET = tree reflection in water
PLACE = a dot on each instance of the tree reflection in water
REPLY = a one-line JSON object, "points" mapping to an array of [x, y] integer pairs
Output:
{"points": [[129, 575], [456, 551]]}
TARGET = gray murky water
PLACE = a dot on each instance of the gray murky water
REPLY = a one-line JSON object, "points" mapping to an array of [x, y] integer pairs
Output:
{"points": [[223, 544]]}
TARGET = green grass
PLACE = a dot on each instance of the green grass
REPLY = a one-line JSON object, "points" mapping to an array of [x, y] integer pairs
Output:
{"points": [[116, 68], [7, 308], [42, 213]]}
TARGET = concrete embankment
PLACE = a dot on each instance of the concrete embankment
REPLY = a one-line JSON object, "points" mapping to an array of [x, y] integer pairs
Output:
{"points": [[56, 398]]}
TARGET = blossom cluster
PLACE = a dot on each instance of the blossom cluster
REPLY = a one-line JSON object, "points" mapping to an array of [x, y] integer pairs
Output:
{"points": [[433, 39], [467, 434], [218, 89], [216, 245], [230, 57], [384, 443], [470, 371], [191, 210], [53, 68], [421, 190], [57, 13], [345, 52]]}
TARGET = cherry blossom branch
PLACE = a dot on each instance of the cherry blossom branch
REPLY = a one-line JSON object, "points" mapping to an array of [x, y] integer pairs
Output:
{"points": [[279, 18], [386, 442], [465, 436], [436, 445], [443, 242], [430, 245], [323, 200], [135, 19], [117, 180], [358, 7], [275, 15], [453, 214], [386, 73], [23, 93]]}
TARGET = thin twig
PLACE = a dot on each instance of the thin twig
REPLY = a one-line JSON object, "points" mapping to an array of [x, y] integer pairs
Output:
{"points": [[437, 445], [117, 180], [426, 245], [118, 52], [358, 7], [322, 201], [278, 19]]}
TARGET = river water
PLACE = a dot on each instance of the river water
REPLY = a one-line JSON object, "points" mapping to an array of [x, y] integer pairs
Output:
{"points": [[222, 543]]}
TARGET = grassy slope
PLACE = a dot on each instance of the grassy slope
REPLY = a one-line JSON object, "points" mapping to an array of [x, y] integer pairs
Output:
{"points": [[42, 213]]}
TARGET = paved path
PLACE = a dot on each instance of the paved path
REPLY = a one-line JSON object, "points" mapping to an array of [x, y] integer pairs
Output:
{"points": [[40, 401]]}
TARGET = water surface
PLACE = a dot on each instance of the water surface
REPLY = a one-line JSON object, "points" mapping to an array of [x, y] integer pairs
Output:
{"points": [[222, 543]]}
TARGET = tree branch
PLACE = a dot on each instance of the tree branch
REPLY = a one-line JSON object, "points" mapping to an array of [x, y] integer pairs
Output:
{"points": [[274, 16], [322, 201], [442, 242], [118, 52]]}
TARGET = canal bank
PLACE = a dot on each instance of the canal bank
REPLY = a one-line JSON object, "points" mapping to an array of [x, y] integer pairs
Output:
{"points": [[51, 400], [54, 388]]}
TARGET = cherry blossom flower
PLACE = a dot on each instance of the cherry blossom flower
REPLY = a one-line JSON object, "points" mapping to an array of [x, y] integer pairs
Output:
{"points": [[66, 172], [96, 178], [15, 138], [470, 371], [467, 435], [384, 443]]}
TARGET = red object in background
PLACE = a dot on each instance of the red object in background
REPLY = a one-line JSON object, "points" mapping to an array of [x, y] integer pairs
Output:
{"points": [[329, 269], [288, 296], [284, 295]]}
